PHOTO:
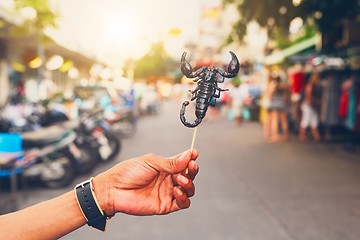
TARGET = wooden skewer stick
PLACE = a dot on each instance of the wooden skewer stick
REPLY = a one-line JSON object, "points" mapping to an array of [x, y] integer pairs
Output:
{"points": [[192, 146], [193, 139]]}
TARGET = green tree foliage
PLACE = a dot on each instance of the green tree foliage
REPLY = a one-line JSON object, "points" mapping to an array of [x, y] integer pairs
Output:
{"points": [[156, 63], [45, 17], [268, 13], [277, 15]]}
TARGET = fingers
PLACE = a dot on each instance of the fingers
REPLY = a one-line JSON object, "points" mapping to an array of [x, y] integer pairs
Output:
{"points": [[185, 180], [193, 169], [180, 159], [194, 154], [181, 199], [175, 164], [186, 185], [190, 172], [183, 170]]}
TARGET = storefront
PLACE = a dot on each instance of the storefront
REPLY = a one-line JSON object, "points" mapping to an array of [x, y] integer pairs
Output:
{"points": [[340, 79]]}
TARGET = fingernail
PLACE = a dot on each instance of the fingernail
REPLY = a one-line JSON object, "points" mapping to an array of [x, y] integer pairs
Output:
{"points": [[178, 191], [183, 179]]}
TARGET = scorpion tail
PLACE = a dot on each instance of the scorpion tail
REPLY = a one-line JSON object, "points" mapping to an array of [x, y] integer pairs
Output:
{"points": [[183, 119]]}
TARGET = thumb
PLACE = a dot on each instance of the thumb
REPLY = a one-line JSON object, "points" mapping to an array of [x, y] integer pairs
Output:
{"points": [[175, 164]]}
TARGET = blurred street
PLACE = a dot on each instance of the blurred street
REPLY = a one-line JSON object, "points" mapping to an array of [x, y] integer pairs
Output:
{"points": [[246, 187]]}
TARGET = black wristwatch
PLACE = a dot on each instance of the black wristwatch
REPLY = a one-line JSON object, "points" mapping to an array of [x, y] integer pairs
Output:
{"points": [[89, 205]]}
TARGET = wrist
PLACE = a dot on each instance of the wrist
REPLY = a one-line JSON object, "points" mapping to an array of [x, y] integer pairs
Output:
{"points": [[103, 190]]}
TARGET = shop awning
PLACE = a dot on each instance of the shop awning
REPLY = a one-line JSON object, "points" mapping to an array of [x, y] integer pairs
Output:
{"points": [[279, 56]]}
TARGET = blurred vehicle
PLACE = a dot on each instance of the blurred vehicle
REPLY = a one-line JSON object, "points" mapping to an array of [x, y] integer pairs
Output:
{"points": [[95, 132], [91, 97], [124, 120], [48, 155], [95, 140], [119, 108], [149, 102], [24, 117], [124, 123]]}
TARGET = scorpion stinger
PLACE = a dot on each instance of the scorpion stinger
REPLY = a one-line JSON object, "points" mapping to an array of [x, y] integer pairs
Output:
{"points": [[183, 119], [207, 89]]}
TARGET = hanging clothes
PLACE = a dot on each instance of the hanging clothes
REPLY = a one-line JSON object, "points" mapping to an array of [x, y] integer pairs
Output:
{"points": [[351, 114], [357, 108], [344, 98], [344, 102], [297, 82], [330, 100]]}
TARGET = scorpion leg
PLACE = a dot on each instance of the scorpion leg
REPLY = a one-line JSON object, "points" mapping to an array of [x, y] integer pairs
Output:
{"points": [[217, 93], [222, 90], [194, 93], [218, 90], [195, 90]]}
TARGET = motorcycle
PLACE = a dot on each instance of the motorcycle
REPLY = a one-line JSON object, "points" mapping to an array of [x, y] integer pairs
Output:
{"points": [[19, 125], [49, 156], [99, 134], [83, 154], [124, 122]]}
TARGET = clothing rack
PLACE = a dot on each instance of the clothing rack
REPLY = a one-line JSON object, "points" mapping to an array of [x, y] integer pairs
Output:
{"points": [[340, 121]]}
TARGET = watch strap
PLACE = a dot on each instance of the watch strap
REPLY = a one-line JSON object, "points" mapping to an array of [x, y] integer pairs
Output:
{"points": [[91, 210]]}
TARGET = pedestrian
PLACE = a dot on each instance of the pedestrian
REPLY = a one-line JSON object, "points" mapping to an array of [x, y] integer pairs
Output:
{"points": [[146, 185], [278, 94], [297, 84], [237, 102], [265, 104], [311, 108]]}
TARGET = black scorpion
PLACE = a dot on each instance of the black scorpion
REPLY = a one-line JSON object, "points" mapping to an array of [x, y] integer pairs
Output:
{"points": [[207, 89]]}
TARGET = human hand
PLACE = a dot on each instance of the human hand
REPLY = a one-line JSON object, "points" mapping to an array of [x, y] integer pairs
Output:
{"points": [[148, 184]]}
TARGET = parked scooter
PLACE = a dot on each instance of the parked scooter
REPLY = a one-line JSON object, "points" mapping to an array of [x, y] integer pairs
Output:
{"points": [[98, 132], [49, 156], [30, 123], [123, 123], [84, 154], [56, 154]]}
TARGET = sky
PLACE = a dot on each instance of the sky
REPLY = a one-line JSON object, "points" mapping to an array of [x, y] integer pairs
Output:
{"points": [[113, 30]]}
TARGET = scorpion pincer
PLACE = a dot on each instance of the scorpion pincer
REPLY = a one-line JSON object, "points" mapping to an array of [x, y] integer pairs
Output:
{"points": [[207, 90]]}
